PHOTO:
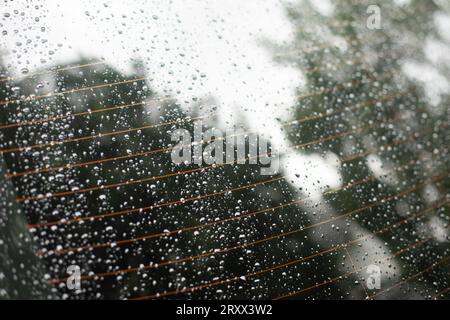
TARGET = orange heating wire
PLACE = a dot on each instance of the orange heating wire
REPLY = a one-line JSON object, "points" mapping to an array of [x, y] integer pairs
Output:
{"points": [[349, 273], [52, 143], [219, 282], [290, 263], [236, 218], [55, 70], [322, 222], [152, 178], [62, 93], [406, 219], [181, 201], [339, 278], [245, 245], [128, 211], [99, 135], [30, 98], [115, 158], [66, 193], [88, 163], [440, 293], [77, 114], [336, 279], [436, 178], [165, 204], [245, 215], [139, 181]]}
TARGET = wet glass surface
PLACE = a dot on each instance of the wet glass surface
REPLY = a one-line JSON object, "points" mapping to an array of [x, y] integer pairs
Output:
{"points": [[225, 149]]}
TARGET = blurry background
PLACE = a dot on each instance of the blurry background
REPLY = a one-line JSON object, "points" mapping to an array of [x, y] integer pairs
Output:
{"points": [[91, 91]]}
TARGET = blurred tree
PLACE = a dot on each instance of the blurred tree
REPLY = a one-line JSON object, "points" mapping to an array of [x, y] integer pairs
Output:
{"points": [[361, 87], [21, 272]]}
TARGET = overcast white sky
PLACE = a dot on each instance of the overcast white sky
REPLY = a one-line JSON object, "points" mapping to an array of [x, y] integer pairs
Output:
{"points": [[217, 43]]}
